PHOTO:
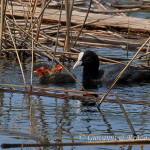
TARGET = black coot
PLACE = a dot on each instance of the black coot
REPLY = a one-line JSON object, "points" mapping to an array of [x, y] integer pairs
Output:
{"points": [[93, 76]]}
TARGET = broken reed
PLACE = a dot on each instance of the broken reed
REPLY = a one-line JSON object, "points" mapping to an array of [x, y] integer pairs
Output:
{"points": [[67, 94], [97, 143]]}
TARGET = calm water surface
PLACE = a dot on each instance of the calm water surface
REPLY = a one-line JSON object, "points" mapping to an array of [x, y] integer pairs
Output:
{"points": [[41, 119]]}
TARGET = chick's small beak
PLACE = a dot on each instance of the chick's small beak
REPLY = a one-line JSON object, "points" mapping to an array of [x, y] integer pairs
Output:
{"points": [[35, 72], [77, 64]]}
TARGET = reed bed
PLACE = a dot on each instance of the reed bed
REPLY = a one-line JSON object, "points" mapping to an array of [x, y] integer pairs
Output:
{"points": [[27, 32], [27, 35]]}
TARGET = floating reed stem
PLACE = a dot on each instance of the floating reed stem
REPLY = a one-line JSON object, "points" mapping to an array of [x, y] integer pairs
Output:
{"points": [[125, 114], [98, 143], [77, 96], [147, 53], [110, 11]]}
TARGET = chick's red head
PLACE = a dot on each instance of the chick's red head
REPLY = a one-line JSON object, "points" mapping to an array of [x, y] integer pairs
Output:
{"points": [[39, 71], [57, 68]]}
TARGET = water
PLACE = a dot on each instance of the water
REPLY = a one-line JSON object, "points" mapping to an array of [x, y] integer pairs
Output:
{"points": [[41, 119]]}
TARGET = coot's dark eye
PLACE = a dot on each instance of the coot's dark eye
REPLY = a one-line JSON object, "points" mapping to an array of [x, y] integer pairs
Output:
{"points": [[84, 57]]}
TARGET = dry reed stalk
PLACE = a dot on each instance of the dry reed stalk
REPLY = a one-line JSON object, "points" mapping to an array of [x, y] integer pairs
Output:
{"points": [[4, 50], [58, 28], [59, 43], [45, 48], [28, 13], [40, 21], [148, 48], [58, 4], [110, 60], [48, 27], [130, 6], [69, 55], [23, 4], [97, 143], [86, 98], [99, 5], [110, 11], [2, 16], [67, 39], [5, 38], [98, 45], [32, 52], [108, 33], [125, 115], [36, 20], [26, 32], [31, 12], [121, 73], [71, 9], [147, 53], [76, 26], [16, 53], [11, 15], [52, 89], [83, 23], [34, 6]]}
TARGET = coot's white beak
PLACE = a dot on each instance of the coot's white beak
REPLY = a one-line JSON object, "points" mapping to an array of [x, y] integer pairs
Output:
{"points": [[79, 61], [77, 64]]}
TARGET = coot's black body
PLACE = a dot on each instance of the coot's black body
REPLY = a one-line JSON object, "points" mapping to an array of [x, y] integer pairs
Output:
{"points": [[93, 76]]}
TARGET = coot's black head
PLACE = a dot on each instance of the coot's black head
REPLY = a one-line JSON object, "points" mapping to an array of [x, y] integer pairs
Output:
{"points": [[89, 60]]}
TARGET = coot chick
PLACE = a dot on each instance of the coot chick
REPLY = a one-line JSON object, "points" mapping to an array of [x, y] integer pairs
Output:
{"points": [[42, 64], [93, 76], [54, 76]]}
